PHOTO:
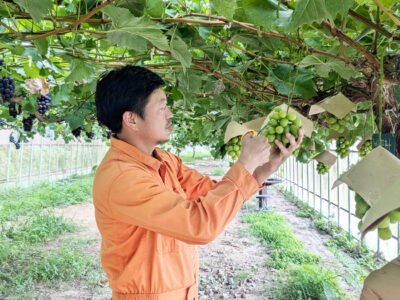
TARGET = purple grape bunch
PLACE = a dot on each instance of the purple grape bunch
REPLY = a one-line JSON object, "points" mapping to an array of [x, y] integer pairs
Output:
{"points": [[77, 132], [28, 122], [16, 143], [44, 103], [7, 88]]}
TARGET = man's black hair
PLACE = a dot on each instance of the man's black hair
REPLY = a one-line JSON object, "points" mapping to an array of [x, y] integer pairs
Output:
{"points": [[124, 89]]}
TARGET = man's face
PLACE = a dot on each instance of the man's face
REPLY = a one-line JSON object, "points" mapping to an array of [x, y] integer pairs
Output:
{"points": [[156, 126]]}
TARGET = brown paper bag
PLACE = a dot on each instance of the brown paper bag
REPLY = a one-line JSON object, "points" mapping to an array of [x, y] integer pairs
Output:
{"points": [[376, 178], [234, 129], [383, 283], [338, 105], [326, 158], [257, 124]]}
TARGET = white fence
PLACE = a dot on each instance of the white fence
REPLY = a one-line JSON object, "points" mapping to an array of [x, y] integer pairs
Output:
{"points": [[43, 158], [339, 204]]}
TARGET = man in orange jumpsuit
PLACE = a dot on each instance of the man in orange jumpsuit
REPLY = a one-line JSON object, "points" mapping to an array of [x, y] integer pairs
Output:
{"points": [[150, 208]]}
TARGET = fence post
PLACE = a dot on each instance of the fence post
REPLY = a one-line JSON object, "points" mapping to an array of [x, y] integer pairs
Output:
{"points": [[349, 200], [49, 168], [21, 152], [40, 157], [320, 193], [314, 191], [57, 150], [30, 163], [329, 194], [8, 165]]}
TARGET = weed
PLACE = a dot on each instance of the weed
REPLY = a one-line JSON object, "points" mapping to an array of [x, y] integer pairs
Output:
{"points": [[275, 233], [38, 228], [307, 282], [21, 201]]}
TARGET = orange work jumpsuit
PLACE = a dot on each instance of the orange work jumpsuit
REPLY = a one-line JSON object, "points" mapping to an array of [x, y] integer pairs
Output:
{"points": [[152, 211]]}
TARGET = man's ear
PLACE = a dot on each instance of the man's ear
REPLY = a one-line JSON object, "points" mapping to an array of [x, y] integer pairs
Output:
{"points": [[129, 120]]}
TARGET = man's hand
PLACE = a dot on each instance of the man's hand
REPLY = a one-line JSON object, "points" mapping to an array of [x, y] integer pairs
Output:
{"points": [[278, 156], [255, 152]]}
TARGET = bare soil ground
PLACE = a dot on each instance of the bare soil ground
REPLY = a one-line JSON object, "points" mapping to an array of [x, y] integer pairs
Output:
{"points": [[231, 267]]}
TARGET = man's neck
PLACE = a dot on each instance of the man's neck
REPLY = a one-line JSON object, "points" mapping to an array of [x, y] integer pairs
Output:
{"points": [[137, 143]]}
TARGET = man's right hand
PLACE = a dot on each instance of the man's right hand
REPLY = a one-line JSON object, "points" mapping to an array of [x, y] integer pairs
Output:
{"points": [[255, 152]]}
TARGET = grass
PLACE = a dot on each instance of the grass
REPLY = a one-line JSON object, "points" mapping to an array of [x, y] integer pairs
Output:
{"points": [[306, 282], [188, 156], [37, 229], [27, 227], [277, 235], [19, 201], [300, 274], [218, 172], [360, 259], [241, 276], [21, 270]]}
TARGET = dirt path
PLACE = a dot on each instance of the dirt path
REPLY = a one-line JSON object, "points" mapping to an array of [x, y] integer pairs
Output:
{"points": [[231, 267]]}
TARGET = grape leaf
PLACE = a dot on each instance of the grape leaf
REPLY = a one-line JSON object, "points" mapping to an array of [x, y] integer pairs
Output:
{"points": [[155, 8], [136, 7], [42, 45], [29, 104], [74, 120], [287, 81], [322, 68], [36, 8], [79, 71], [310, 11], [128, 27], [31, 70], [62, 94], [225, 8], [180, 51]]}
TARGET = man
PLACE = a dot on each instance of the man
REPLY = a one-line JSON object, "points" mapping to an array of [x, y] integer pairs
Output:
{"points": [[151, 209]]}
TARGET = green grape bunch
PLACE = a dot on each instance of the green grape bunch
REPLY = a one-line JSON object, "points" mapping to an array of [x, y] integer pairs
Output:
{"points": [[234, 147], [280, 123], [365, 148], [384, 231], [322, 168], [336, 124], [343, 146]]}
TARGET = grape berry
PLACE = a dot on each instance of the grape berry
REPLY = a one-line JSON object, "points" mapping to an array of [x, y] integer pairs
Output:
{"points": [[279, 124], [7, 88], [43, 103], [336, 124], [343, 146], [322, 168], [365, 148], [233, 148]]}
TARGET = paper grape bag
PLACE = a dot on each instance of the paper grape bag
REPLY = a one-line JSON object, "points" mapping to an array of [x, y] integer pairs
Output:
{"points": [[326, 158], [338, 105], [376, 178], [234, 129]]}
